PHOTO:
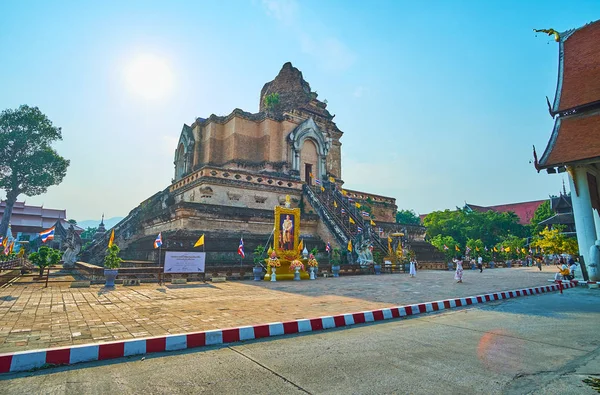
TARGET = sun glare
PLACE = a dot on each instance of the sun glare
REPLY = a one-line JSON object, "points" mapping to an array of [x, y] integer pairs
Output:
{"points": [[149, 76]]}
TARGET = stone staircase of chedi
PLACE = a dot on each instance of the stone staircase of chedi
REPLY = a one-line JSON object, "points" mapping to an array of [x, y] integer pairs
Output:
{"points": [[335, 211]]}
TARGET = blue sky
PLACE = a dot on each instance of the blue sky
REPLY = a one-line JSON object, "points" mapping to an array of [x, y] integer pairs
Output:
{"points": [[440, 102]]}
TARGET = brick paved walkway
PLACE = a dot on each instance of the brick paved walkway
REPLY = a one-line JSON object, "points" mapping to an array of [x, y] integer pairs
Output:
{"points": [[32, 317]]}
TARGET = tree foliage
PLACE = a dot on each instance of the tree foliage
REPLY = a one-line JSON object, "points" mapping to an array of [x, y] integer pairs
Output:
{"points": [[45, 257], [490, 227], [407, 217], [553, 241], [89, 233], [542, 213], [28, 163], [441, 242]]}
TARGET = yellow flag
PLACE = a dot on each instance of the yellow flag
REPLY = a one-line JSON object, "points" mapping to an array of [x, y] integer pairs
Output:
{"points": [[523, 250], [111, 239], [456, 248], [495, 249], [372, 223], [334, 204], [350, 245], [300, 245], [507, 249], [322, 188], [390, 246], [331, 179], [12, 245], [200, 242], [344, 192], [357, 205], [476, 248], [4, 241], [352, 221]]}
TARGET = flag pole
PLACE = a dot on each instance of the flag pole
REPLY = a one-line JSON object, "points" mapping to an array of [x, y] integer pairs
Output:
{"points": [[160, 273]]}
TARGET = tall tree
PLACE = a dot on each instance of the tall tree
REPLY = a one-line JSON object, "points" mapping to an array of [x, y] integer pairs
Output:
{"points": [[28, 163], [407, 217], [542, 213]]}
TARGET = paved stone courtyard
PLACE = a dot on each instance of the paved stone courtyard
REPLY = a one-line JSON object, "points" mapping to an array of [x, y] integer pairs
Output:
{"points": [[33, 317]]}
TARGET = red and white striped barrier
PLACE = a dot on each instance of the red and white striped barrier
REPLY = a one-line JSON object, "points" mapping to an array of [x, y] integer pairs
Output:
{"points": [[34, 359], [576, 282]]}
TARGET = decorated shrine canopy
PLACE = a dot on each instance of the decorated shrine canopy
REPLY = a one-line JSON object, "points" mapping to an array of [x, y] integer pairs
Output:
{"points": [[576, 104]]}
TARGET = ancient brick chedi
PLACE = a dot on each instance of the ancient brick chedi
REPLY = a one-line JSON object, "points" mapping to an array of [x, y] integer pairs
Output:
{"points": [[231, 171]]}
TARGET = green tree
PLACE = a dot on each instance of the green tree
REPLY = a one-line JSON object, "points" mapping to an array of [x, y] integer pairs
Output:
{"points": [[490, 227], [542, 213], [28, 164], [445, 244], [72, 222], [88, 233], [407, 217], [553, 241], [45, 257]]}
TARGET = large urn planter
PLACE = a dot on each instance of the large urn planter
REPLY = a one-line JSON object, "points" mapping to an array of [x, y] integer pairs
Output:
{"points": [[492, 264], [297, 274], [258, 273], [312, 272], [335, 270], [110, 275], [450, 266], [273, 275], [508, 263], [377, 269]]}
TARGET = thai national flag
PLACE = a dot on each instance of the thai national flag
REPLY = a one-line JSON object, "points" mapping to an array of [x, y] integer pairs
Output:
{"points": [[359, 229], [343, 211], [158, 241], [317, 181], [47, 235], [365, 214], [328, 247], [241, 248]]}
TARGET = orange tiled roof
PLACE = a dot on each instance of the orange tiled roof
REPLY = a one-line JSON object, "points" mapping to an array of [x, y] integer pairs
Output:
{"points": [[579, 77], [577, 138]]}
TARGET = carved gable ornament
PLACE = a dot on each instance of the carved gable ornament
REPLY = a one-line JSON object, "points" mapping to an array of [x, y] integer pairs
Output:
{"points": [[309, 129]]}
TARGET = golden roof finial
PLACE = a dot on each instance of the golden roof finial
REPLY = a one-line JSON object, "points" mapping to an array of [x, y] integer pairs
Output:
{"points": [[549, 32]]}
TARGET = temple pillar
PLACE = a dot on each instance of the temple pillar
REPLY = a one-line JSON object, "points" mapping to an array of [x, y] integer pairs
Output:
{"points": [[584, 216]]}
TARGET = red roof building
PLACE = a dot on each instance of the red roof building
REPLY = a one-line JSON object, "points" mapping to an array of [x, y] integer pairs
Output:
{"points": [[524, 210], [31, 220], [574, 145]]}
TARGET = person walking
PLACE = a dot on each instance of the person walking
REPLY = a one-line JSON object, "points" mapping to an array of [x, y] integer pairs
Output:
{"points": [[458, 275], [480, 264], [413, 268], [539, 263]]}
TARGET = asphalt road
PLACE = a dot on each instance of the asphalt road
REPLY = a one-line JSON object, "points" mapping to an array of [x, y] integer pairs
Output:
{"points": [[544, 344]]}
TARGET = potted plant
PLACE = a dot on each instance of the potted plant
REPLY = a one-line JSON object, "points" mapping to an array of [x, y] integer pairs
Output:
{"points": [[273, 263], [258, 268], [313, 264], [335, 262], [296, 266], [112, 262], [45, 257], [377, 262]]}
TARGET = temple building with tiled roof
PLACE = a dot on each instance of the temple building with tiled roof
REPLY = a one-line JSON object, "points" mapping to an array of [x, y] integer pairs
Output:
{"points": [[574, 145], [28, 221]]}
